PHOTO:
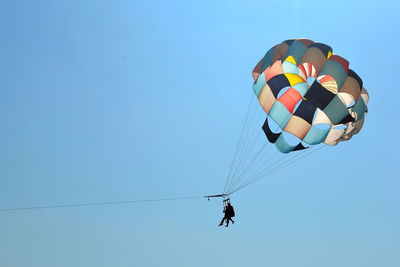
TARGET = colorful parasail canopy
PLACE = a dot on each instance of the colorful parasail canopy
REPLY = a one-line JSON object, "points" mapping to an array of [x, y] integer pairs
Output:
{"points": [[309, 94]]}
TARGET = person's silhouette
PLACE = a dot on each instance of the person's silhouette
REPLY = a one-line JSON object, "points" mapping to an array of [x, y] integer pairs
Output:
{"points": [[229, 212]]}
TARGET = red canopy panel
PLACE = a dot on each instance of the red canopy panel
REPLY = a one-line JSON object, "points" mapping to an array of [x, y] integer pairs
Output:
{"points": [[290, 98]]}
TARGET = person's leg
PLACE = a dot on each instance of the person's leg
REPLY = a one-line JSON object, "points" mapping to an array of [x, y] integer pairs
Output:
{"points": [[227, 221], [222, 221]]}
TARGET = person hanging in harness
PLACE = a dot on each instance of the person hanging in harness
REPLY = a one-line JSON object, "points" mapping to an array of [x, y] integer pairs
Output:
{"points": [[229, 212]]}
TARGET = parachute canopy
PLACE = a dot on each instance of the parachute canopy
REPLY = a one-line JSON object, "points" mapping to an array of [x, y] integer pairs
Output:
{"points": [[309, 94]]}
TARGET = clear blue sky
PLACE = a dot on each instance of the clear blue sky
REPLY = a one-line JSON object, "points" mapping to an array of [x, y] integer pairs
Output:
{"points": [[117, 100]]}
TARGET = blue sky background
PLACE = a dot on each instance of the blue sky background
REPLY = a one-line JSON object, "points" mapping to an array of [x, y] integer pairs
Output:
{"points": [[121, 100]]}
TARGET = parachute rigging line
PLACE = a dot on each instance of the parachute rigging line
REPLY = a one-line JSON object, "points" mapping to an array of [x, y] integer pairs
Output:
{"points": [[246, 141], [276, 168], [249, 164], [249, 144], [259, 161], [252, 162], [248, 159], [238, 147], [247, 125]]}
